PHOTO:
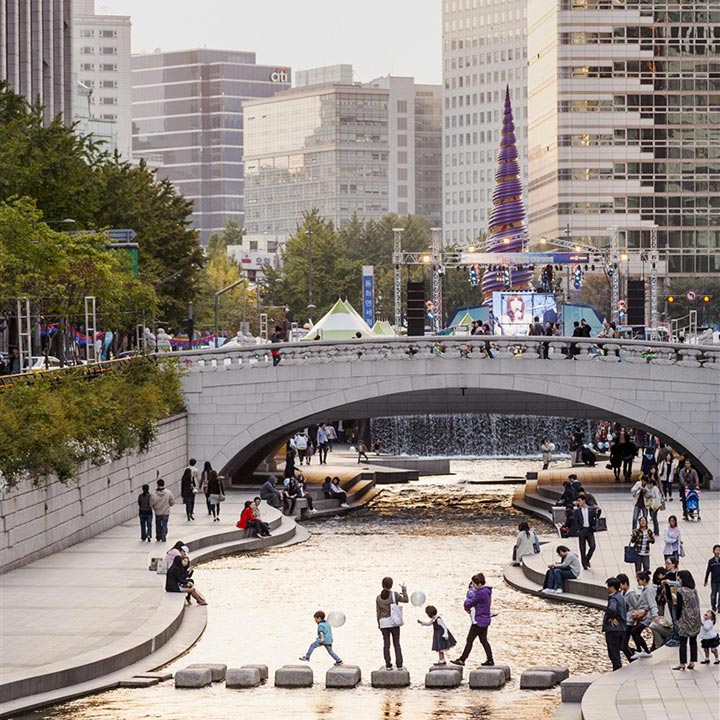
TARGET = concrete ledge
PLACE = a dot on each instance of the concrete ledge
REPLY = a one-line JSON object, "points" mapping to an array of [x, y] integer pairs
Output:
{"points": [[573, 689], [245, 677], [217, 670], [193, 678], [294, 676], [343, 676], [487, 678], [442, 678], [537, 680], [384, 678], [138, 682]]}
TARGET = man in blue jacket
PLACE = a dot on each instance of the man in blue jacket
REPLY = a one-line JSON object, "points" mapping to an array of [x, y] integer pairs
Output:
{"points": [[614, 622]]}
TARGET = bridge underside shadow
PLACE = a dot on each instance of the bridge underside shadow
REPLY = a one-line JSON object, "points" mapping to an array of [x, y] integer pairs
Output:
{"points": [[477, 400]]}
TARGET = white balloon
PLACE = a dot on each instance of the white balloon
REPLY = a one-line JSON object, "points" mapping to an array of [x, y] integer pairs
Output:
{"points": [[336, 618], [353, 448], [552, 447], [418, 598]]}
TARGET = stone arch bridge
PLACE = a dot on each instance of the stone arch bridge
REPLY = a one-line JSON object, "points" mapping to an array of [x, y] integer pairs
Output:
{"points": [[241, 407]]}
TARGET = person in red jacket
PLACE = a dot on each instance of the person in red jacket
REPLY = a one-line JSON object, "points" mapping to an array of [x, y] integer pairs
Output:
{"points": [[249, 521]]}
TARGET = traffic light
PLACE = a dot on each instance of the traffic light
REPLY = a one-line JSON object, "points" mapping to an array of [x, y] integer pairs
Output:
{"points": [[577, 277], [473, 276], [670, 299], [706, 299]]}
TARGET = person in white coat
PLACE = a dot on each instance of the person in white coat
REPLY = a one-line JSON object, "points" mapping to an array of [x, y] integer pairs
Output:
{"points": [[666, 472], [525, 543]]}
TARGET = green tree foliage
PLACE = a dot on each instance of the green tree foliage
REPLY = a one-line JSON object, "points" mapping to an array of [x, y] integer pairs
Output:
{"points": [[50, 423], [71, 176], [58, 270], [218, 243]]}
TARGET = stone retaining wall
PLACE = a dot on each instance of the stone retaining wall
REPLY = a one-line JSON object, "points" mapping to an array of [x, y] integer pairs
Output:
{"points": [[38, 521]]}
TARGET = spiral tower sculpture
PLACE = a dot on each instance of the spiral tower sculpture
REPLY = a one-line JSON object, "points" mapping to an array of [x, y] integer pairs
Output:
{"points": [[506, 225]]}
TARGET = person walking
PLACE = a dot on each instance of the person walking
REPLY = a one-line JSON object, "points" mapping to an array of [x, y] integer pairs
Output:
{"points": [[300, 444], [585, 522], [642, 615], [332, 436], [276, 338], [324, 638], [216, 494], [478, 601], [187, 492], [204, 480], [713, 573], [641, 539], [616, 460], [639, 509], [688, 480], [362, 451], [145, 513], [673, 539], [546, 449], [161, 501], [666, 473], [322, 443], [614, 623], [653, 499], [689, 619], [390, 619], [628, 451]]}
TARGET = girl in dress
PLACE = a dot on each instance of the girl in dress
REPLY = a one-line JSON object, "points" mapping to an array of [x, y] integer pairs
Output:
{"points": [[709, 638], [442, 637]]}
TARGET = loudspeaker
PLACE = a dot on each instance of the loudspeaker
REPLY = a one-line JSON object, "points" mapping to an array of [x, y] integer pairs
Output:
{"points": [[636, 302], [416, 309]]}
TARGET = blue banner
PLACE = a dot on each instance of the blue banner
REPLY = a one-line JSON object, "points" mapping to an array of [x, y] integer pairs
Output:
{"points": [[368, 294]]}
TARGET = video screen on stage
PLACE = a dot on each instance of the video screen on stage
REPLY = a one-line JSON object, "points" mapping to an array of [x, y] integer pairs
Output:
{"points": [[514, 311]]}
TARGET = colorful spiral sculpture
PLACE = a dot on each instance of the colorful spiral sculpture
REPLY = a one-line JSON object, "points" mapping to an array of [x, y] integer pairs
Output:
{"points": [[506, 225]]}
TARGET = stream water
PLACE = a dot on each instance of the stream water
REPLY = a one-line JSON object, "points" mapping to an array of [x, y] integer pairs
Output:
{"points": [[433, 535]]}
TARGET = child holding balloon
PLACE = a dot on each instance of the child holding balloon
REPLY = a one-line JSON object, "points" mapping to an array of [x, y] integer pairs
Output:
{"points": [[324, 638], [442, 637]]}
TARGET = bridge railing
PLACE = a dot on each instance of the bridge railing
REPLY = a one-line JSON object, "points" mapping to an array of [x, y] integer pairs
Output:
{"points": [[472, 348]]}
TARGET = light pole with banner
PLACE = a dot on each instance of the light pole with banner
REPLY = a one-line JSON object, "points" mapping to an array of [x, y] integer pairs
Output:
{"points": [[368, 294]]}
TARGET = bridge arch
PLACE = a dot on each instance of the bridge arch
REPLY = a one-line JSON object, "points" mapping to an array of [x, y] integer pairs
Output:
{"points": [[241, 407]]}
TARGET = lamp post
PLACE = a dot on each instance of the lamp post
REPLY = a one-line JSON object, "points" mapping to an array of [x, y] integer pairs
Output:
{"points": [[311, 307], [217, 305]]}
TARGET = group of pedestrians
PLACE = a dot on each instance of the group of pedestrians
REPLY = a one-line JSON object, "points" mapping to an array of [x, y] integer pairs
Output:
{"points": [[287, 494], [306, 443]]}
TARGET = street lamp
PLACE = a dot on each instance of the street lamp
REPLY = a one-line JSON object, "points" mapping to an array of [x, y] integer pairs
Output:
{"points": [[310, 306], [217, 307]]}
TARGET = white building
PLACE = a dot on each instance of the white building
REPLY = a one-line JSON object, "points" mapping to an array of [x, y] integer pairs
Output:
{"points": [[334, 74], [484, 49], [101, 60], [625, 125], [256, 251]]}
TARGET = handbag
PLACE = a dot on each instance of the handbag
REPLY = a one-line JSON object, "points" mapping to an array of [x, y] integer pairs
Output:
{"points": [[631, 554], [222, 497], [536, 543], [681, 549], [396, 615]]}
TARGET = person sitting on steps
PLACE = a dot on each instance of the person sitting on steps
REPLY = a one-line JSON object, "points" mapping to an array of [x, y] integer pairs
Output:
{"points": [[178, 580], [338, 493]]}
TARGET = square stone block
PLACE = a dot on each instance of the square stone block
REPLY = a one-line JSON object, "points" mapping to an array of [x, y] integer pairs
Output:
{"points": [[242, 677], [193, 678], [217, 670], [457, 668], [384, 678], [262, 669], [504, 668], [138, 682], [573, 689], [560, 672], [161, 676], [343, 676], [442, 679], [487, 678], [292, 676], [537, 680]]}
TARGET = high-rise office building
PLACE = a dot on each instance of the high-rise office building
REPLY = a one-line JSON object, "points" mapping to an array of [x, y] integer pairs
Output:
{"points": [[320, 146], [336, 74], [484, 50], [36, 53], [344, 148], [102, 65], [187, 110], [624, 129]]}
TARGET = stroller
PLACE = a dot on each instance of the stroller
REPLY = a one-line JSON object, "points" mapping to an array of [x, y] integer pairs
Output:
{"points": [[692, 504]]}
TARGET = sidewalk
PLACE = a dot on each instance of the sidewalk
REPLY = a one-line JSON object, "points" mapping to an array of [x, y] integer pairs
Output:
{"points": [[95, 608]]}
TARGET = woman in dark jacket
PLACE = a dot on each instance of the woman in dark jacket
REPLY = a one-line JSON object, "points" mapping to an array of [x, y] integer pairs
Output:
{"points": [[204, 480], [146, 514], [216, 494], [178, 580], [187, 492]]}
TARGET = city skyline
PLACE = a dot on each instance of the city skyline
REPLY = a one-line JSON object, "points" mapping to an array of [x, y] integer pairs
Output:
{"points": [[416, 54]]}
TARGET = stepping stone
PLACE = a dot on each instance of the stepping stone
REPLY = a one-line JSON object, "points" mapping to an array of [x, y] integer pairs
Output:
{"points": [[537, 680], [489, 677], [384, 678], [457, 668], [560, 672], [573, 689], [139, 682], [262, 669], [504, 668], [294, 676], [244, 677], [193, 678], [442, 679], [343, 676], [161, 676], [217, 670]]}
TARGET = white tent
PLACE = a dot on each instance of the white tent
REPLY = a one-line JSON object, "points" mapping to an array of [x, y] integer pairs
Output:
{"points": [[341, 322], [383, 327]]}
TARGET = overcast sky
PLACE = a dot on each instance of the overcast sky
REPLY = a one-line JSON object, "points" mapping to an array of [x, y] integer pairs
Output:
{"points": [[378, 37]]}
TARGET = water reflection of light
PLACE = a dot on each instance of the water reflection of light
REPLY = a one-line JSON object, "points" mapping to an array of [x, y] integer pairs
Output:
{"points": [[441, 533]]}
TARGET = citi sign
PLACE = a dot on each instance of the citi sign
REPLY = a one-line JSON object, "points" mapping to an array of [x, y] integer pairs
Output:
{"points": [[280, 75]]}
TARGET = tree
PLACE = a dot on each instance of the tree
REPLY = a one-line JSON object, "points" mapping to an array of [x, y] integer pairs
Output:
{"points": [[232, 234], [595, 292]]}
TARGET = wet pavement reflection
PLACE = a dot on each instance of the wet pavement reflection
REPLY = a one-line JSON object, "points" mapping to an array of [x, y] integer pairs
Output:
{"points": [[432, 535]]}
